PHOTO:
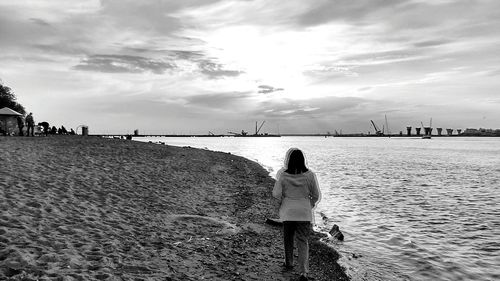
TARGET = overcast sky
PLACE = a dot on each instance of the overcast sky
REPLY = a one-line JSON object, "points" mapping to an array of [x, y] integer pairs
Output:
{"points": [[193, 66]]}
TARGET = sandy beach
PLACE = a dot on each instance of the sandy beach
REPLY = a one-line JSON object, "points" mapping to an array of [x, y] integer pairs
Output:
{"points": [[88, 208]]}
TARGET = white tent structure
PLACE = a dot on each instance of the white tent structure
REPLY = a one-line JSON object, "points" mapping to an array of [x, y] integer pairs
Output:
{"points": [[8, 120]]}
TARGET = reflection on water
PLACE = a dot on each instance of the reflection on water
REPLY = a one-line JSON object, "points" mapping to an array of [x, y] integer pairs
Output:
{"points": [[412, 209]]}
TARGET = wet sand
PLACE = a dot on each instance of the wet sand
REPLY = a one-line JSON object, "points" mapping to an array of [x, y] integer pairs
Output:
{"points": [[88, 208]]}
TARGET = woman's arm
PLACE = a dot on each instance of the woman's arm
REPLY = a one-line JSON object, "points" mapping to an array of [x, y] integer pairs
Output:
{"points": [[278, 188], [315, 193]]}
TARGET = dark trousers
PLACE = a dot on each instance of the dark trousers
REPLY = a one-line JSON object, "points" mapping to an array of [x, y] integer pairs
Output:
{"points": [[32, 128], [299, 230]]}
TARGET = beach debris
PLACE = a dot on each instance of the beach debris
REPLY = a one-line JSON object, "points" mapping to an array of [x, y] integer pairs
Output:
{"points": [[355, 256], [325, 219], [336, 233]]}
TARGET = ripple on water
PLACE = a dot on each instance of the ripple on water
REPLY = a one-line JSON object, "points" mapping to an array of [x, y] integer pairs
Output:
{"points": [[447, 205]]}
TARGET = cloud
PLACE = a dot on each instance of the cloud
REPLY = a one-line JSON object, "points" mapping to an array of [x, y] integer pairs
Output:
{"points": [[362, 89], [326, 106], [215, 70], [123, 64], [383, 57], [265, 89], [345, 10], [187, 55], [216, 101], [432, 43], [330, 72], [494, 72], [40, 22], [151, 17]]}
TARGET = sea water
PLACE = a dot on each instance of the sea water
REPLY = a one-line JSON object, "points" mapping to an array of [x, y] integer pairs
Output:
{"points": [[409, 208]]}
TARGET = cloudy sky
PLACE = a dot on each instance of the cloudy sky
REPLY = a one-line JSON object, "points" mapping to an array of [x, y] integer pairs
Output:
{"points": [[193, 66]]}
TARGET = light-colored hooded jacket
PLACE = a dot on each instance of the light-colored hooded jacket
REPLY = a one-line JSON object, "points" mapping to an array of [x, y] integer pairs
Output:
{"points": [[299, 194]]}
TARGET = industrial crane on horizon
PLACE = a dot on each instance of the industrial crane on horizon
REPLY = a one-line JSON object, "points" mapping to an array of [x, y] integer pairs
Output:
{"points": [[260, 127], [378, 132]]}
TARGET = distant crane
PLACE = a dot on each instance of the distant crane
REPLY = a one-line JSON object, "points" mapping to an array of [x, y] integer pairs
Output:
{"points": [[377, 130], [387, 126], [260, 127], [245, 133]]}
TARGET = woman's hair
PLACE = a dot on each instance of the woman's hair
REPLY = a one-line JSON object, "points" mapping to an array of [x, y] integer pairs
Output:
{"points": [[296, 162]]}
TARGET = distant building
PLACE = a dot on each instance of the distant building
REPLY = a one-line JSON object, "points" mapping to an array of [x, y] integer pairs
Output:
{"points": [[470, 131], [8, 121], [481, 132]]}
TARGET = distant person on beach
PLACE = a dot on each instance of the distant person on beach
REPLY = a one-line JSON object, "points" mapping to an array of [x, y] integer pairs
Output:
{"points": [[46, 127], [20, 125], [30, 123], [297, 189], [2, 132]]}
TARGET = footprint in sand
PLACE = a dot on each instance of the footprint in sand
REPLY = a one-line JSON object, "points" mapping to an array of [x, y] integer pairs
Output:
{"points": [[194, 221], [34, 204]]}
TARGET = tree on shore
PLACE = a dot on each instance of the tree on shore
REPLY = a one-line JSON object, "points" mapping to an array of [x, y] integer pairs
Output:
{"points": [[8, 99]]}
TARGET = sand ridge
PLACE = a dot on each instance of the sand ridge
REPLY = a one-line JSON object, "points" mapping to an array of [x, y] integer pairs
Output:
{"points": [[88, 208]]}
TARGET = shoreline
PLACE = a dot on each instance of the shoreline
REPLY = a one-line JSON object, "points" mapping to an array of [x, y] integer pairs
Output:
{"points": [[124, 136], [89, 208]]}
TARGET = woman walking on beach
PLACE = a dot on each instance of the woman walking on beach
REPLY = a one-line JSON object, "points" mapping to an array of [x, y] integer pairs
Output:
{"points": [[297, 188]]}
